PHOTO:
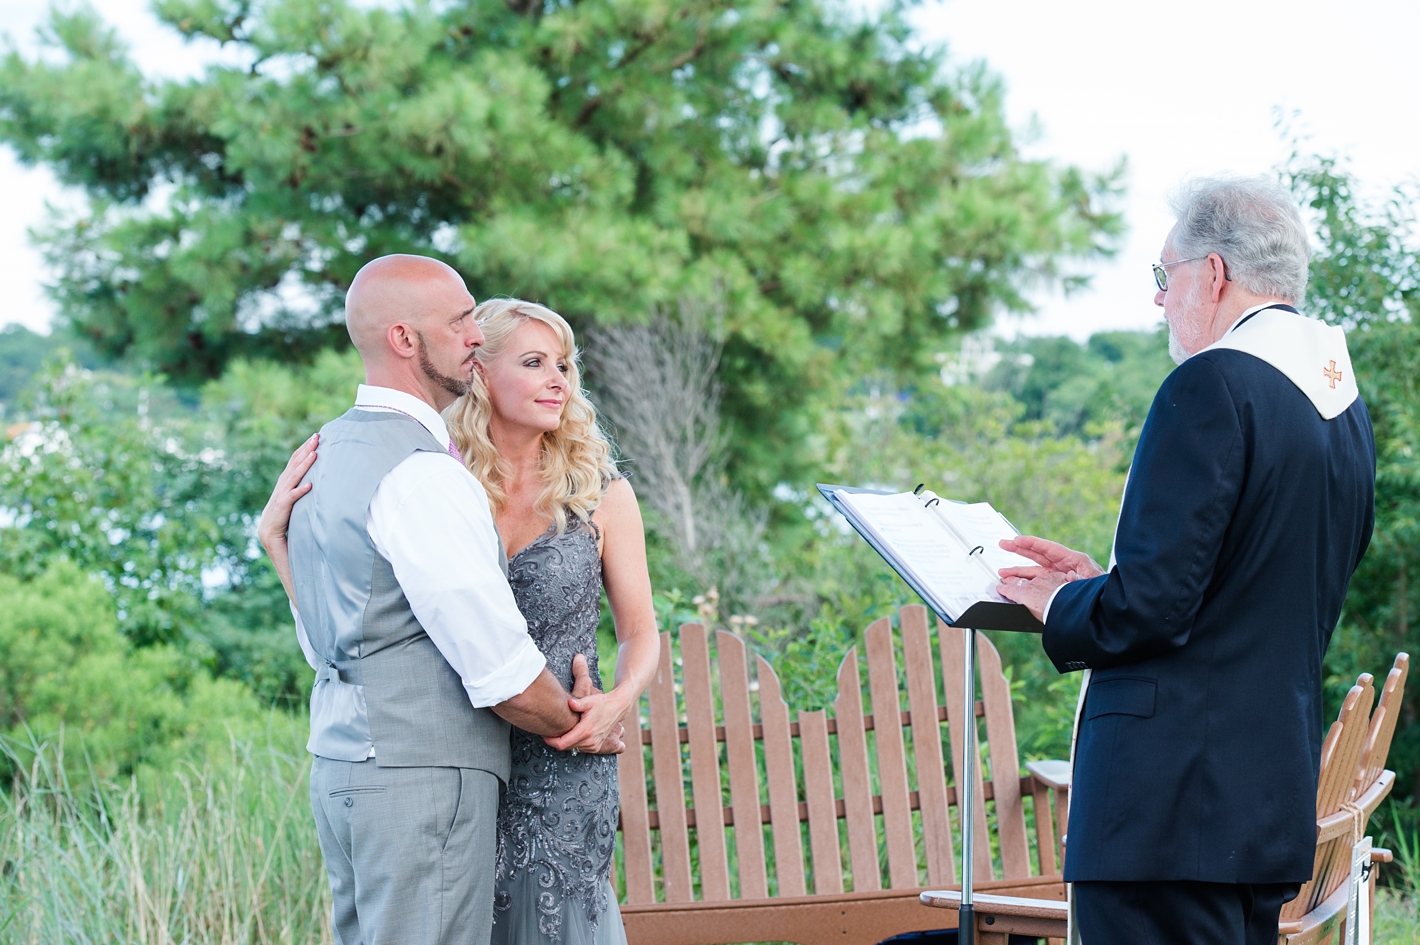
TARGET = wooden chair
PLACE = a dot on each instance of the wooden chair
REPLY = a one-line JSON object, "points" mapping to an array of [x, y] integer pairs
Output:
{"points": [[1352, 784], [711, 873]]}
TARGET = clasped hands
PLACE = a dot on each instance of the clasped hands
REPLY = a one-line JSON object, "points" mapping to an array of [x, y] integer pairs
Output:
{"points": [[1055, 565], [599, 730]]}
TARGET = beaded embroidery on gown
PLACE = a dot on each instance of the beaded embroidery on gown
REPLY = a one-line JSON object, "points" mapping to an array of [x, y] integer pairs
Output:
{"points": [[557, 819]]}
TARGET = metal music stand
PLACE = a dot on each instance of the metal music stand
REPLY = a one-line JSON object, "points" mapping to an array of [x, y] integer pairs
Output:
{"points": [[983, 615], [986, 615]]}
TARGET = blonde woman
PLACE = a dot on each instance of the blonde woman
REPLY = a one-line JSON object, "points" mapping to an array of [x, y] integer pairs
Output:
{"points": [[572, 528]]}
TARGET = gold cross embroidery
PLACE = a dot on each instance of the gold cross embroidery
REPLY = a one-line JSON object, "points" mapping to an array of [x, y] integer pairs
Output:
{"points": [[1332, 374]]}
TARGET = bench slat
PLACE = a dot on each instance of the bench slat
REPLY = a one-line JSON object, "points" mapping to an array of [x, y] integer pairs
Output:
{"points": [[704, 762], [670, 784], [783, 791], [1005, 764], [950, 641], [892, 757], [639, 881], [927, 746], [744, 778], [857, 780], [818, 794]]}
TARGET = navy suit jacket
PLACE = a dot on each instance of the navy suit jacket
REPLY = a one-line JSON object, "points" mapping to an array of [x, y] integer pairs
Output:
{"points": [[1200, 741]]}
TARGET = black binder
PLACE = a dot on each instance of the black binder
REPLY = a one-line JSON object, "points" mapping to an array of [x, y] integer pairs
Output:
{"points": [[982, 615]]}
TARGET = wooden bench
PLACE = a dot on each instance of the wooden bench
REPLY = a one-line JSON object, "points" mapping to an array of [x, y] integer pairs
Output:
{"points": [[822, 839], [1352, 784]]}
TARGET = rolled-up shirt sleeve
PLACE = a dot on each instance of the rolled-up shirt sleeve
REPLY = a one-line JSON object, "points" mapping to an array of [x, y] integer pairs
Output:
{"points": [[430, 519]]}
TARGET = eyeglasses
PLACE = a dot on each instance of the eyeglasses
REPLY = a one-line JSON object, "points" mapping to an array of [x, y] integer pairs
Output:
{"points": [[1161, 272]]}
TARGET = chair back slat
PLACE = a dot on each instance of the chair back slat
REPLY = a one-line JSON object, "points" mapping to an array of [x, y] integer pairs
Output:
{"points": [[783, 787], [818, 795], [744, 776], [927, 746], [639, 883], [1340, 756], [1382, 728], [704, 763], [950, 641], [1044, 829], [1005, 763], [670, 781], [1338, 767], [857, 782], [892, 755]]}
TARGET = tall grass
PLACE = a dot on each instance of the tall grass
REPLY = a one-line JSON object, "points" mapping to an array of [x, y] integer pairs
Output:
{"points": [[1398, 907], [222, 852]]}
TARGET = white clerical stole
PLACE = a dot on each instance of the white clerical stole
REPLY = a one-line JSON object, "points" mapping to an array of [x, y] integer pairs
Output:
{"points": [[1312, 354]]}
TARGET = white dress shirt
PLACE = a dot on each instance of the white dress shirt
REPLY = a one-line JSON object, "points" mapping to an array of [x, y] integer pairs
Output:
{"points": [[430, 519]]}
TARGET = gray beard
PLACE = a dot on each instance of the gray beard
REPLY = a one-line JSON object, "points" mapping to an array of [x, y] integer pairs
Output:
{"points": [[1176, 349]]}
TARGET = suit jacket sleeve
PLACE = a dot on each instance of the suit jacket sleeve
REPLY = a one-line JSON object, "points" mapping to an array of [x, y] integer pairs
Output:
{"points": [[1183, 489]]}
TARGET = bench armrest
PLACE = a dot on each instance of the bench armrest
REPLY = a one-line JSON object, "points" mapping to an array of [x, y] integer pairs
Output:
{"points": [[987, 904], [1053, 774]]}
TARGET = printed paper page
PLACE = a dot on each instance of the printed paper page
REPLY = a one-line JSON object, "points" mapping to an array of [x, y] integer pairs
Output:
{"points": [[982, 525], [924, 546]]}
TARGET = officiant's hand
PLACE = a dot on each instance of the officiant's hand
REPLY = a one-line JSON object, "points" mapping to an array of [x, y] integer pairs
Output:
{"points": [[600, 730], [276, 517], [1051, 556], [1032, 587]]}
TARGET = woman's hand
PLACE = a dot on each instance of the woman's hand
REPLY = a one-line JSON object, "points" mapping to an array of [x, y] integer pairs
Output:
{"points": [[276, 517], [600, 728]]}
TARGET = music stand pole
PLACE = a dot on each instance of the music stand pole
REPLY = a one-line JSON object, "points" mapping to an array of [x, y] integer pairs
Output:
{"points": [[966, 793]]}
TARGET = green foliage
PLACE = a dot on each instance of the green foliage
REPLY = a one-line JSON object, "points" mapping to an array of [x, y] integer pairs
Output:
{"points": [[848, 197], [115, 475], [1077, 388], [1366, 276], [22, 352], [67, 673], [104, 475]]}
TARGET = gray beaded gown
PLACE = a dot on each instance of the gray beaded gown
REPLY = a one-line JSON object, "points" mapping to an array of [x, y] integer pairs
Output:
{"points": [[557, 820]]}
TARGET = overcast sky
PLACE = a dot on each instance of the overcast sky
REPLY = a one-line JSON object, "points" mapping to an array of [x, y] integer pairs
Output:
{"points": [[1178, 89]]}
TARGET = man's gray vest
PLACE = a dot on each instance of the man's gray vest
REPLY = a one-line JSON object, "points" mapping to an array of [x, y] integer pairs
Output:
{"points": [[383, 683]]}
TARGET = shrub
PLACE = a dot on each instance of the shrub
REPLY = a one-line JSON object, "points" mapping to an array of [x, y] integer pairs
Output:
{"points": [[66, 672]]}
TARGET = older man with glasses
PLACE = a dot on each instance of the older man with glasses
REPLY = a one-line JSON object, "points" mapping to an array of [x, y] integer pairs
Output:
{"points": [[1248, 508]]}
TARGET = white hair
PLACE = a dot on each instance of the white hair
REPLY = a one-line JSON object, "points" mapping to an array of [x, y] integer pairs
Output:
{"points": [[1253, 224]]}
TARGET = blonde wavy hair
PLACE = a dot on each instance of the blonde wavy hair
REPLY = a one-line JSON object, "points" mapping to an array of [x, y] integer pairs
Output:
{"points": [[576, 457]]}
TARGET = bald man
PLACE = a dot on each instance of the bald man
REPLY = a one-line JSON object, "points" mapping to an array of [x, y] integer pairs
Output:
{"points": [[403, 608]]}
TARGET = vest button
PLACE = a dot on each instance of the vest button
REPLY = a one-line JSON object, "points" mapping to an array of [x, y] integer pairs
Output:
{"points": [[349, 802]]}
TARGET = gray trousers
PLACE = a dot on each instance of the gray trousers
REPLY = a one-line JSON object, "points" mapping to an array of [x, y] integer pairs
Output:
{"points": [[409, 851]]}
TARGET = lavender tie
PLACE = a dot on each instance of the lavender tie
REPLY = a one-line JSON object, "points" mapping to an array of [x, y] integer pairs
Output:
{"points": [[454, 450]]}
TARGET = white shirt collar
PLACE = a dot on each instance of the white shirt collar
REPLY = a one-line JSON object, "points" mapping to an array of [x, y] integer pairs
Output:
{"points": [[369, 397]]}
